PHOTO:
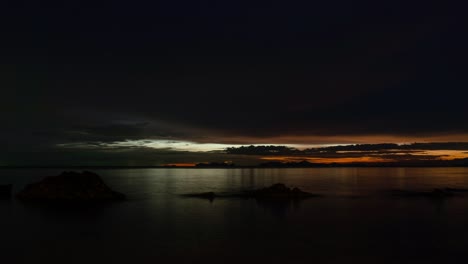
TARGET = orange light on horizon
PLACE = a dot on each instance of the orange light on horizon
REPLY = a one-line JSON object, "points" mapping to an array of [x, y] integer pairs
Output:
{"points": [[327, 160], [418, 154], [448, 154], [180, 165]]}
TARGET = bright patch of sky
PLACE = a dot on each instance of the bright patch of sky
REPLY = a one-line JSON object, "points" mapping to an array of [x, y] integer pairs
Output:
{"points": [[168, 144]]}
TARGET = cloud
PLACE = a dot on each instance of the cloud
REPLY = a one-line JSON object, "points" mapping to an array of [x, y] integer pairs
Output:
{"points": [[359, 149], [358, 153], [241, 73], [116, 156]]}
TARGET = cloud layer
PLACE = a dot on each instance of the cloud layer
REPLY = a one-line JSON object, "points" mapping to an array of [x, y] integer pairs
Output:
{"points": [[250, 72]]}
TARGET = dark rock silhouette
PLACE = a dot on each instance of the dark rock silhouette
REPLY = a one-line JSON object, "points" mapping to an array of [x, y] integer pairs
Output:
{"points": [[5, 191], [276, 192], [215, 165], [70, 187]]}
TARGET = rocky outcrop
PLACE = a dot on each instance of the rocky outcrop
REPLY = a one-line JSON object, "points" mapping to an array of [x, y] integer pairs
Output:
{"points": [[70, 187], [278, 191], [5, 191]]}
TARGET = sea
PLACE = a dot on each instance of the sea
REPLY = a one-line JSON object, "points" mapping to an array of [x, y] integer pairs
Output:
{"points": [[354, 220]]}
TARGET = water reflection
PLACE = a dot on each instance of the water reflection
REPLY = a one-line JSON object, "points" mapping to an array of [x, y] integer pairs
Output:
{"points": [[156, 224], [279, 208]]}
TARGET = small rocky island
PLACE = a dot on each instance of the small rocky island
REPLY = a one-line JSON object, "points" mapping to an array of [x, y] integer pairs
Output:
{"points": [[277, 191], [70, 187]]}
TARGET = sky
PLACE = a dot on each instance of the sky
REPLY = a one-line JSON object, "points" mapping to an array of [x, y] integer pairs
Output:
{"points": [[169, 82]]}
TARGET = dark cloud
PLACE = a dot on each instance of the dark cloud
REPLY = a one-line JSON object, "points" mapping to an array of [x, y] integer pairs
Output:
{"points": [[359, 149], [382, 152], [243, 71], [101, 155]]}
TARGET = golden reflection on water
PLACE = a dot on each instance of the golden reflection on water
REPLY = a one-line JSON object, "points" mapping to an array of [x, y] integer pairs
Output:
{"points": [[344, 157]]}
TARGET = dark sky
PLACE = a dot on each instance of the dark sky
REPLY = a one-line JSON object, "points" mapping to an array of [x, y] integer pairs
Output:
{"points": [[231, 72]]}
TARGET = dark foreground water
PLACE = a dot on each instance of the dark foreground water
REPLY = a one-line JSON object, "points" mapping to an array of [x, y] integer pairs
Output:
{"points": [[354, 222]]}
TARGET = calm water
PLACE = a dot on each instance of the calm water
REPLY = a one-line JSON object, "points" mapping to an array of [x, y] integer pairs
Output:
{"points": [[354, 222]]}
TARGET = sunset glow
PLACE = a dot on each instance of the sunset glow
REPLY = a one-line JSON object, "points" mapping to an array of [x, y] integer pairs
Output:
{"points": [[238, 132], [183, 165], [327, 160]]}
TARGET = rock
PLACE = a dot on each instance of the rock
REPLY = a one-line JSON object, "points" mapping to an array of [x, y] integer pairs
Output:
{"points": [[278, 190], [5, 191], [70, 187]]}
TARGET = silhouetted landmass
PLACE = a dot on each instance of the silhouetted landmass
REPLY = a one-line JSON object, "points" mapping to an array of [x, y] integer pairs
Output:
{"points": [[276, 191], [5, 191], [70, 187], [215, 165]]}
